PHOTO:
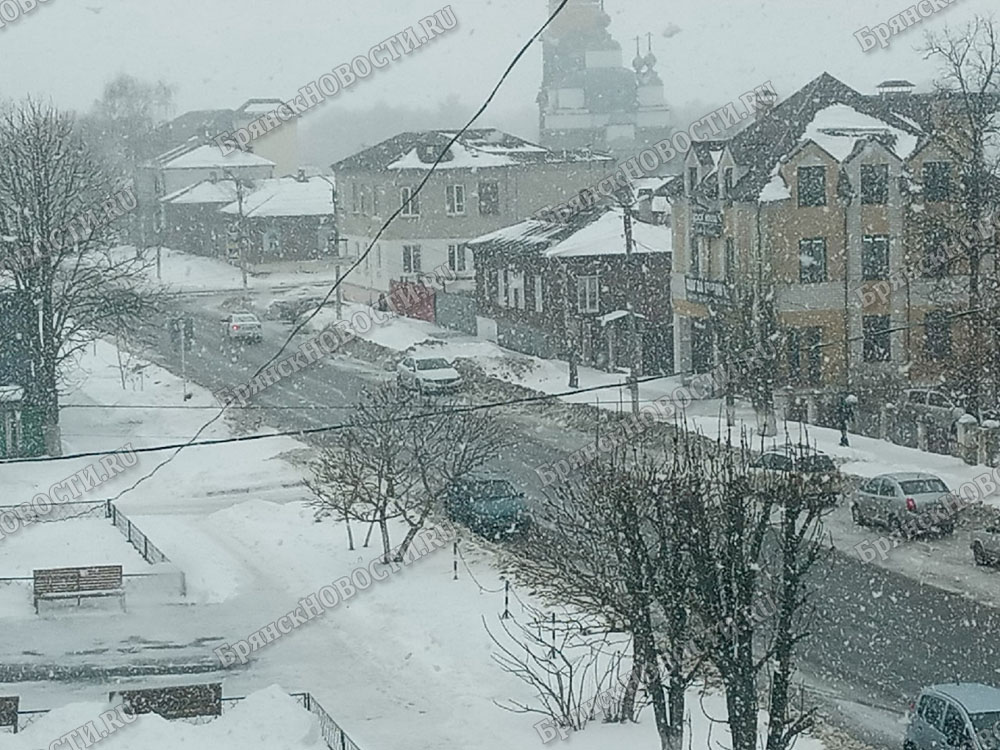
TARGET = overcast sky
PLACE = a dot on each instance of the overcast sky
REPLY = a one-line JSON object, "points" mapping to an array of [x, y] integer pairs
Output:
{"points": [[220, 52]]}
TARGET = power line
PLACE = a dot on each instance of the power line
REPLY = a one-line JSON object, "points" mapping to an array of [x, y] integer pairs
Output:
{"points": [[381, 231], [452, 409]]}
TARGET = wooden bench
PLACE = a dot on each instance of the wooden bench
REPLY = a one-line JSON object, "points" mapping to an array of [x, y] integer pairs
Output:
{"points": [[179, 702], [79, 583]]}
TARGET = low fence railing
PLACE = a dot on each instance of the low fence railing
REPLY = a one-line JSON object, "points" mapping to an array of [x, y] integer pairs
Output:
{"points": [[149, 551], [334, 737]]}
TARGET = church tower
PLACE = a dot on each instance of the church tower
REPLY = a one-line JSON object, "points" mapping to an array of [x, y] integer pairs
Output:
{"points": [[587, 97]]}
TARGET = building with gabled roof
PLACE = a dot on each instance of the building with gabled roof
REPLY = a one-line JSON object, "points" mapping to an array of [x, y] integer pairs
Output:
{"points": [[828, 198], [546, 287], [487, 179]]}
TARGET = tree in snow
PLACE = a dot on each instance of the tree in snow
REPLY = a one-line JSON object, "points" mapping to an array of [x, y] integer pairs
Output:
{"points": [[751, 539], [607, 545], [59, 210], [969, 136], [397, 457]]}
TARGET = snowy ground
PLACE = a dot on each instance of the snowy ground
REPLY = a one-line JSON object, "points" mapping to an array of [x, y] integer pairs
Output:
{"points": [[411, 649]]}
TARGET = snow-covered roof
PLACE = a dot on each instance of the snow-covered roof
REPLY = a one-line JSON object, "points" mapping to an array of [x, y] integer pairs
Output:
{"points": [[599, 231], [837, 129], [206, 191], [660, 205], [287, 196], [10, 394], [776, 189], [211, 157], [481, 148]]}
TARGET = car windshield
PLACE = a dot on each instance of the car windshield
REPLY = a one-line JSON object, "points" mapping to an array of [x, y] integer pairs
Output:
{"points": [[923, 486], [432, 364], [493, 489]]}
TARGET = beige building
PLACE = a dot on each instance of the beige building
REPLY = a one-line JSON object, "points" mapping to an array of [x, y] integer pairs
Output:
{"points": [[487, 180], [832, 201]]}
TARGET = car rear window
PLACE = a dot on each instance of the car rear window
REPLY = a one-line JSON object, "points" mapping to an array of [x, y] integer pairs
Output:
{"points": [[986, 721], [923, 486]]}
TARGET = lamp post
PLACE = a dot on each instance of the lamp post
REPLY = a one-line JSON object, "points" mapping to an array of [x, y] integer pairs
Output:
{"points": [[337, 298]]}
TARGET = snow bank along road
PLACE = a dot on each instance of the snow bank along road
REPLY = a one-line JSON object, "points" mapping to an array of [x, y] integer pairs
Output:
{"points": [[878, 635]]}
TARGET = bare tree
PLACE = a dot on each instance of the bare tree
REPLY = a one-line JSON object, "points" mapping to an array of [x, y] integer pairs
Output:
{"points": [[968, 131], [58, 214], [123, 119], [397, 457], [751, 540], [607, 546]]}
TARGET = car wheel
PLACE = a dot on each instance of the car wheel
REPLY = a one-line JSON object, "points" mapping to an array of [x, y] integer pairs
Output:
{"points": [[979, 554], [857, 516], [896, 527]]}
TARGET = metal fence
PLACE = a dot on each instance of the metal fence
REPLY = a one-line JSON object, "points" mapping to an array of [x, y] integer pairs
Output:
{"points": [[335, 737], [149, 551]]}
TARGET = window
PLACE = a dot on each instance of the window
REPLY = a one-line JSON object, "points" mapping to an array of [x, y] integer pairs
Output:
{"points": [[935, 260], [410, 201], [730, 259], [875, 257], [355, 199], [939, 400], [805, 344], [374, 200], [874, 184], [931, 709], [692, 178], [812, 186], [411, 258], [455, 199], [456, 257], [502, 288], [876, 338], [515, 289], [378, 255], [587, 294], [937, 335], [954, 730], [538, 294], [812, 260], [489, 198], [727, 181], [364, 199], [937, 180]]}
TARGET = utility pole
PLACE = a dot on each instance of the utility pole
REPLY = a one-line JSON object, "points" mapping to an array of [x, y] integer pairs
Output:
{"points": [[240, 225], [574, 376], [634, 364]]}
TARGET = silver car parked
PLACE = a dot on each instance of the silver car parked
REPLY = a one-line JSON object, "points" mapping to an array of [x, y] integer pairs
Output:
{"points": [[961, 715], [911, 504]]}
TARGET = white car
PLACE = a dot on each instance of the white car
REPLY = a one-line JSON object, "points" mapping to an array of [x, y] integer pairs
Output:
{"points": [[986, 545], [428, 375], [242, 327]]}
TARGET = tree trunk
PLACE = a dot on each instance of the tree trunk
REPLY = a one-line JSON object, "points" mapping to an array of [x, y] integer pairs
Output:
{"points": [[741, 689]]}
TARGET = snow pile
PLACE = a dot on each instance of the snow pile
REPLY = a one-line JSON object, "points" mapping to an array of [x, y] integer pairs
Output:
{"points": [[269, 719]]}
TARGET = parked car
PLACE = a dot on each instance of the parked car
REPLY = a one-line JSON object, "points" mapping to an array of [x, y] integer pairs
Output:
{"points": [[807, 460], [934, 403], [488, 505], [961, 715], [906, 503], [986, 545], [290, 310], [242, 326], [428, 375]]}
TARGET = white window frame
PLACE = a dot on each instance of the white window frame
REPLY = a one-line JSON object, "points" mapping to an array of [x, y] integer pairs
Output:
{"points": [[539, 306], [502, 287], [457, 258], [409, 202], [515, 290], [411, 253], [355, 202], [588, 294], [455, 200]]}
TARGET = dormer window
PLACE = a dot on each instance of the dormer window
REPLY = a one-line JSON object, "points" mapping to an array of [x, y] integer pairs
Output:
{"points": [[812, 186], [692, 178], [428, 153], [727, 181]]}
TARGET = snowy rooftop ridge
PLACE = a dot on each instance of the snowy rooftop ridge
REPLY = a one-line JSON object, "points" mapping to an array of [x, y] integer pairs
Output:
{"points": [[484, 147], [210, 157], [287, 196], [597, 232]]}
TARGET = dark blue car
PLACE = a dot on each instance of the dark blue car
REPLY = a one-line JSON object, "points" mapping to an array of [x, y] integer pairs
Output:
{"points": [[489, 506]]}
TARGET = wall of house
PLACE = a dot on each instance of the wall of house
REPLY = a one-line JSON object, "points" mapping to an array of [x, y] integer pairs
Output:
{"points": [[281, 145], [284, 238], [198, 229], [175, 179]]}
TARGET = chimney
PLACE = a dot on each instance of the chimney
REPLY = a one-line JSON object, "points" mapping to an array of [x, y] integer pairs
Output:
{"points": [[302, 175], [764, 103]]}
